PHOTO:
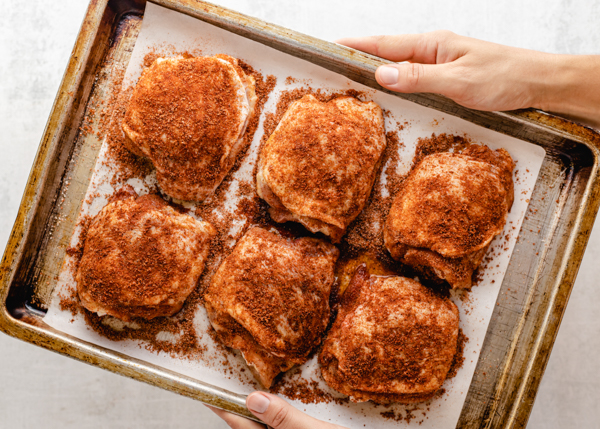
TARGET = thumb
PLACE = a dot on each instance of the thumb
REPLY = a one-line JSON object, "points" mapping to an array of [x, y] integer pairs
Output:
{"points": [[278, 414], [414, 77]]}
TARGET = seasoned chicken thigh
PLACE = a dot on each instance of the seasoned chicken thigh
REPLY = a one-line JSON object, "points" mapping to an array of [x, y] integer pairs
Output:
{"points": [[450, 208], [141, 258], [320, 163], [188, 116], [393, 340], [270, 299]]}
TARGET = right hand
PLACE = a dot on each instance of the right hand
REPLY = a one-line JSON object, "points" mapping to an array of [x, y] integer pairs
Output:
{"points": [[487, 76]]}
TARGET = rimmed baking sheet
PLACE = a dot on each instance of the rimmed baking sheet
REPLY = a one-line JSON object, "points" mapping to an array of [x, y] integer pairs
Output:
{"points": [[165, 28]]}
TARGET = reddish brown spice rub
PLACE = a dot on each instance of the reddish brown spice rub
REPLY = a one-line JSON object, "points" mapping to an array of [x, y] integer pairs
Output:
{"points": [[393, 340], [184, 339], [448, 211], [270, 299], [188, 116], [362, 236], [141, 258], [319, 165]]}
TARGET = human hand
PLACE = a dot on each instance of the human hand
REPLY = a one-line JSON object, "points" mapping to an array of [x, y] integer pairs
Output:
{"points": [[275, 412], [487, 76]]}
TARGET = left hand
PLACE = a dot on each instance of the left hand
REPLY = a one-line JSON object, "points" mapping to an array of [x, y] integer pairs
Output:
{"points": [[275, 412]]}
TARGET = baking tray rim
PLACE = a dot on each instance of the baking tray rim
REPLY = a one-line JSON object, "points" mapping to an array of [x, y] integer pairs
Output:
{"points": [[35, 331]]}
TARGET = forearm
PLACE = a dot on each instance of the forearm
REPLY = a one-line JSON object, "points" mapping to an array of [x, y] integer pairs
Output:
{"points": [[571, 87]]}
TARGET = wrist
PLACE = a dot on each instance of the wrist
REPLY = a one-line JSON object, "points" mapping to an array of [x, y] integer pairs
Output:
{"points": [[570, 85], [551, 75]]}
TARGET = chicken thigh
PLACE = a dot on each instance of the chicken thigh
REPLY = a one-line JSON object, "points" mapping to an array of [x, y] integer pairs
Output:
{"points": [[270, 299], [141, 258], [448, 211], [320, 163], [188, 116], [393, 340]]}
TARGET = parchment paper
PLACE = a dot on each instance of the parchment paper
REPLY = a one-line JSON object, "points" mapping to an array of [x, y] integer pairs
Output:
{"points": [[165, 28]]}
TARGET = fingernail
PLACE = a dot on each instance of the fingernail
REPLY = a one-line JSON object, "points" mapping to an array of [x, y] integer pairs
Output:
{"points": [[258, 403], [388, 75]]}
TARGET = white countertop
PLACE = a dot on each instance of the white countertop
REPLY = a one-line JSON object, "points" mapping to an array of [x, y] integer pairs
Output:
{"points": [[38, 388]]}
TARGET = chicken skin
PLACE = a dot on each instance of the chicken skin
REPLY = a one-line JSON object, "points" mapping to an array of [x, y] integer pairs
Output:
{"points": [[141, 258], [188, 116], [319, 165], [450, 208], [393, 340], [270, 300]]}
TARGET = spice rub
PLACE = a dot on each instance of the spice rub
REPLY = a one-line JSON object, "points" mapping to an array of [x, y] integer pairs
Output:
{"points": [[319, 165], [188, 116], [141, 258], [270, 300], [393, 340], [448, 211]]}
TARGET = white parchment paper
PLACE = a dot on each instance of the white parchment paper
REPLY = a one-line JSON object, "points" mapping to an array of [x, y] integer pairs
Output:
{"points": [[167, 29]]}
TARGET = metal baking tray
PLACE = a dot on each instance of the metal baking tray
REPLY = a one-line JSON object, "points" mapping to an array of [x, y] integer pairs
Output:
{"points": [[538, 282]]}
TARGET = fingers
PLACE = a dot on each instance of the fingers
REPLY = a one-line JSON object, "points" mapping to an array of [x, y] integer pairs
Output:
{"points": [[278, 414], [429, 55], [411, 77], [421, 48], [236, 422]]}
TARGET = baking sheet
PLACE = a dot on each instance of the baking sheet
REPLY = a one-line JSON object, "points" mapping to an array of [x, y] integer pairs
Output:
{"points": [[168, 29]]}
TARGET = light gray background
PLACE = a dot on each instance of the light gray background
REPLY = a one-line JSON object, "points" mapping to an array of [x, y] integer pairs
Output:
{"points": [[42, 389]]}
